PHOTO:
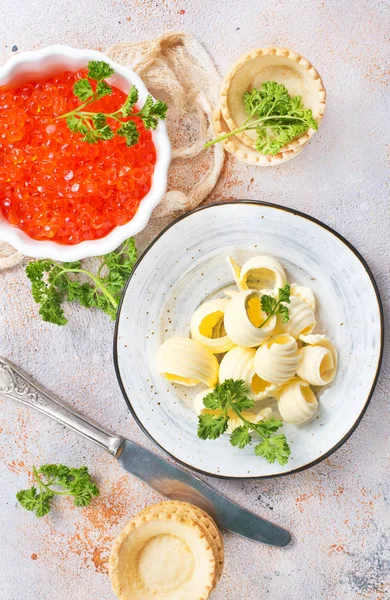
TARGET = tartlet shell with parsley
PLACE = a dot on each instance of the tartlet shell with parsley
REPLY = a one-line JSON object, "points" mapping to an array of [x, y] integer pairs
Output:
{"points": [[246, 153], [270, 64], [169, 551]]}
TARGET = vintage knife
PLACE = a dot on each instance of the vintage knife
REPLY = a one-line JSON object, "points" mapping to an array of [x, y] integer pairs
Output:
{"points": [[165, 477]]}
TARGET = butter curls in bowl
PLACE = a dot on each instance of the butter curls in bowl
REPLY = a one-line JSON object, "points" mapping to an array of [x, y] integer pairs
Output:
{"points": [[169, 551]]}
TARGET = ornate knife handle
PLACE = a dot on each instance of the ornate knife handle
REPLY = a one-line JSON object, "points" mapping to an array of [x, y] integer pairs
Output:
{"points": [[14, 384]]}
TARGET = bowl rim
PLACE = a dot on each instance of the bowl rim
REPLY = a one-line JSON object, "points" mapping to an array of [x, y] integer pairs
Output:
{"points": [[88, 248], [342, 441]]}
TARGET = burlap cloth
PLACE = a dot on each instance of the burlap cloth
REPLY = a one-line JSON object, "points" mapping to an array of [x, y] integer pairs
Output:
{"points": [[177, 69]]}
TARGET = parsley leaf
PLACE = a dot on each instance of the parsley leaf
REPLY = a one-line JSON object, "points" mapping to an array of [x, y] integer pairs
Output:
{"points": [[53, 283], [80, 486], [150, 111], [130, 101], [99, 120], [276, 117], [270, 140], [94, 126], [130, 132], [106, 133], [99, 70], [269, 426], [31, 500], [75, 124], [92, 136], [274, 448], [82, 89], [55, 471], [212, 402], [242, 402], [283, 311], [103, 89], [270, 306], [271, 98], [210, 427], [231, 397], [73, 482], [241, 437], [284, 293], [48, 296]]}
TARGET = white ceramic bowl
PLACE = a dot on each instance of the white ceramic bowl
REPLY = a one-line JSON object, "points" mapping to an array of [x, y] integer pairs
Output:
{"points": [[28, 67], [186, 265]]}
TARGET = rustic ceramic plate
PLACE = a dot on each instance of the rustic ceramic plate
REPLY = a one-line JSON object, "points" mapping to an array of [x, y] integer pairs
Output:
{"points": [[186, 265]]}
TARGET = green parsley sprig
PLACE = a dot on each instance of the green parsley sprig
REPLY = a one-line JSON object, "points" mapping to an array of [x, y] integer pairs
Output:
{"points": [[231, 395], [72, 482], [276, 117], [270, 306], [54, 283], [94, 126]]}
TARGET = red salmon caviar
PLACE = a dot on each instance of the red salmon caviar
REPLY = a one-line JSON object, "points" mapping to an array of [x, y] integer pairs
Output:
{"points": [[53, 185]]}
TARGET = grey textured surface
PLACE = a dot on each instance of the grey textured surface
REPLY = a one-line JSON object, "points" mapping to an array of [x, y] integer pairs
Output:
{"points": [[338, 511]]}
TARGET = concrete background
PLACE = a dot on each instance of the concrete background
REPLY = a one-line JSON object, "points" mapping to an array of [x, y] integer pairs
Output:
{"points": [[338, 512]]}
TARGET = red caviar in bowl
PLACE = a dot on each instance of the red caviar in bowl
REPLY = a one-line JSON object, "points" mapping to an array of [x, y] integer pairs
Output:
{"points": [[53, 185]]}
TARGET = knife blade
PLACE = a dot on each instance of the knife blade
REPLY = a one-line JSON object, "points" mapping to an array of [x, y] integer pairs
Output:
{"points": [[178, 484], [167, 478]]}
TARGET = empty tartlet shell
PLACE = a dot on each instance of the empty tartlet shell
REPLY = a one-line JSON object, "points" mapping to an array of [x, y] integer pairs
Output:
{"points": [[166, 515], [293, 61], [247, 154], [203, 520]]}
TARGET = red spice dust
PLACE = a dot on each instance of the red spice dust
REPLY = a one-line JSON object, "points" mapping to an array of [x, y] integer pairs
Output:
{"points": [[52, 184]]}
